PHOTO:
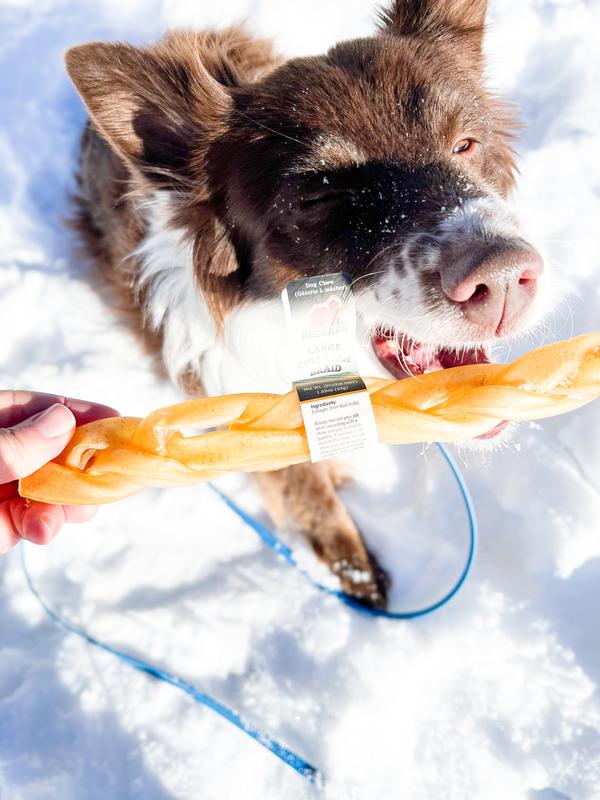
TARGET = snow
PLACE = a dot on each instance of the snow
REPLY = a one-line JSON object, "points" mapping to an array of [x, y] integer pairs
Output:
{"points": [[494, 697]]}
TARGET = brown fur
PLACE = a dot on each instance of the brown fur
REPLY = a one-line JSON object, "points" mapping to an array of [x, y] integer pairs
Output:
{"points": [[111, 184], [110, 232]]}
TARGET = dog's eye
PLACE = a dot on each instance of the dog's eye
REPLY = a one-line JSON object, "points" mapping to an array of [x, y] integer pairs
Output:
{"points": [[464, 146], [319, 198]]}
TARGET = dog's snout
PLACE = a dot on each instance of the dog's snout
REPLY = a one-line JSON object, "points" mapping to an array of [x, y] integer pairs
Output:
{"points": [[493, 283]]}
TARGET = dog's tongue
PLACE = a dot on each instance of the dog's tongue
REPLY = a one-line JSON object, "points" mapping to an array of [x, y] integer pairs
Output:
{"points": [[405, 358]]}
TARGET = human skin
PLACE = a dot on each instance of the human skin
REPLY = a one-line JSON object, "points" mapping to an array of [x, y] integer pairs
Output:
{"points": [[34, 428]]}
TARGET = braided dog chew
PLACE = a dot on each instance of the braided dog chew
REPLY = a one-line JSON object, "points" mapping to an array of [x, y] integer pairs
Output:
{"points": [[113, 458]]}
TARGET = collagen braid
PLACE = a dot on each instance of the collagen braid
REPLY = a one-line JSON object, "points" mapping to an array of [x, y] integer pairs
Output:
{"points": [[113, 458]]}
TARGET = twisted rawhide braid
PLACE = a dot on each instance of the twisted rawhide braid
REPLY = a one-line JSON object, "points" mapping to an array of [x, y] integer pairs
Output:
{"points": [[113, 458]]}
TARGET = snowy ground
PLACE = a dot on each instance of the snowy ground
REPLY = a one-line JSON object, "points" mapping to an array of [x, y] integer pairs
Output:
{"points": [[495, 697]]}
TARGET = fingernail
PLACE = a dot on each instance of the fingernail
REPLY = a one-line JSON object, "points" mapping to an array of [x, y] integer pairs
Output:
{"points": [[54, 421]]}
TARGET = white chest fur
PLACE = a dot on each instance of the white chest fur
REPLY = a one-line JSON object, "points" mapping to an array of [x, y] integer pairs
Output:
{"points": [[251, 353]]}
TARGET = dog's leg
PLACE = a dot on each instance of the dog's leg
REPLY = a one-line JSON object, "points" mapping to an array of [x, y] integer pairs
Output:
{"points": [[303, 498]]}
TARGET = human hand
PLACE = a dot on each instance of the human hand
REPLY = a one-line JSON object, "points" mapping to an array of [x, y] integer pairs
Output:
{"points": [[34, 429]]}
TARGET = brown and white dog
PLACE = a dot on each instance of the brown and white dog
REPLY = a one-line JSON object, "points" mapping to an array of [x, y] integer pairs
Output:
{"points": [[213, 172]]}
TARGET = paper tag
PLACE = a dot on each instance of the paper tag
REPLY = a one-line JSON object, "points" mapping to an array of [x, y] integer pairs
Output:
{"points": [[336, 406]]}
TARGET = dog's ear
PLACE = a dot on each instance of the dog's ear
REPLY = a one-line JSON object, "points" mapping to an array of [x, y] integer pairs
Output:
{"points": [[159, 107], [436, 19]]}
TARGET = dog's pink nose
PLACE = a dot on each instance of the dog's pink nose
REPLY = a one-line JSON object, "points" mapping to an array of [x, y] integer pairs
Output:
{"points": [[499, 285]]}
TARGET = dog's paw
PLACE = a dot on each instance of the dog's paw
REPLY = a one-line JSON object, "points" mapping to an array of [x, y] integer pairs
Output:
{"points": [[358, 571], [303, 499], [368, 583]]}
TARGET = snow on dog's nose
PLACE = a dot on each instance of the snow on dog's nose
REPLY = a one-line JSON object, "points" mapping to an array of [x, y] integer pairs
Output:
{"points": [[493, 282]]}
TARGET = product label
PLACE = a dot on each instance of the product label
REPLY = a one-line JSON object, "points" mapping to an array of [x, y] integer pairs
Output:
{"points": [[336, 407]]}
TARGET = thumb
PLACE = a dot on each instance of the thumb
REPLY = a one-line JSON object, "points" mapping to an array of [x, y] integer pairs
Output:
{"points": [[31, 444]]}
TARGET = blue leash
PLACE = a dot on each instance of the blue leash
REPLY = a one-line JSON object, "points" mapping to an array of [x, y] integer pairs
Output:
{"points": [[290, 758], [287, 756]]}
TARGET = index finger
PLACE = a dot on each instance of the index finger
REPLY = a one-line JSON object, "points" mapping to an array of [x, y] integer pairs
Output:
{"points": [[17, 406]]}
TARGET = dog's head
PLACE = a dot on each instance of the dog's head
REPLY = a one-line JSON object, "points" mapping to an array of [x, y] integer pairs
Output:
{"points": [[386, 158]]}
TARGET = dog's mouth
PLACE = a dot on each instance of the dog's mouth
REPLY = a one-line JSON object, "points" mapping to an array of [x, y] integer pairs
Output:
{"points": [[404, 357]]}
